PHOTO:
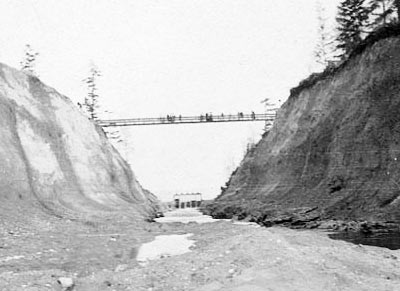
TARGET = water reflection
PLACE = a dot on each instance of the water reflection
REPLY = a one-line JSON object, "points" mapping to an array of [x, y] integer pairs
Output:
{"points": [[390, 240], [165, 246]]}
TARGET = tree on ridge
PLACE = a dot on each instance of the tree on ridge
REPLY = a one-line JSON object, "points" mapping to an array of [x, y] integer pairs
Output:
{"points": [[324, 47], [352, 20], [28, 62], [396, 5], [381, 11], [91, 100]]}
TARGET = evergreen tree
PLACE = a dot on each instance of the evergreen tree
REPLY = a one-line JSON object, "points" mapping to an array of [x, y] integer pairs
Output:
{"points": [[28, 62], [381, 12], [90, 104], [91, 99], [324, 47], [352, 20], [396, 6]]}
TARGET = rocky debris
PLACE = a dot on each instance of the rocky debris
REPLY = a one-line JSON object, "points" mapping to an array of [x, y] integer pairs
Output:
{"points": [[301, 217], [311, 217], [66, 283], [366, 227], [121, 268], [295, 217], [231, 257], [226, 257]]}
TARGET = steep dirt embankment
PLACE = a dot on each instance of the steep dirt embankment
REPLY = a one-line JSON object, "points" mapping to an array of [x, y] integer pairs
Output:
{"points": [[53, 157], [335, 146]]}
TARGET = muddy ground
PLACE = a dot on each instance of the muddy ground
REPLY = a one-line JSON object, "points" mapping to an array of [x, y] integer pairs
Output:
{"points": [[102, 256]]}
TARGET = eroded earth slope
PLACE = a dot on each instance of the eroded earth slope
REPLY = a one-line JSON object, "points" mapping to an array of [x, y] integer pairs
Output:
{"points": [[53, 159], [334, 146]]}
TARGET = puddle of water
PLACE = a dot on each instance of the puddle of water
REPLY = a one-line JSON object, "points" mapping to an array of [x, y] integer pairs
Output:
{"points": [[390, 240], [164, 246]]}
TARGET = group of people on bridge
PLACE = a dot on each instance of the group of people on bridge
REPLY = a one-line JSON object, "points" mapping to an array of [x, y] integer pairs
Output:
{"points": [[172, 118], [208, 117]]}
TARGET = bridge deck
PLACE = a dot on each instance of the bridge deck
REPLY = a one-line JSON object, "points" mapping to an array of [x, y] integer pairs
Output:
{"points": [[187, 119]]}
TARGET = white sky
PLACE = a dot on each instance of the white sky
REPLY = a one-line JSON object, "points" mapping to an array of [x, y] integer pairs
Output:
{"points": [[162, 57]]}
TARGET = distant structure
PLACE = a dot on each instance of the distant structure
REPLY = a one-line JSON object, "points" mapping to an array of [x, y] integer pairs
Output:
{"points": [[188, 200]]}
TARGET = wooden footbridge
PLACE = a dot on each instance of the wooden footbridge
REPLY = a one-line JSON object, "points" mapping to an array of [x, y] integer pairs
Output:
{"points": [[172, 119]]}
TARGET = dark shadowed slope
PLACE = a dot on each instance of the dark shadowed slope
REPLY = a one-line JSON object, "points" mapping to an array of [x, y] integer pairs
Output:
{"points": [[335, 146]]}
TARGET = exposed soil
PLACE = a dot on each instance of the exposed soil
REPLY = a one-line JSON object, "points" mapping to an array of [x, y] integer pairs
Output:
{"points": [[334, 147], [100, 255], [55, 159]]}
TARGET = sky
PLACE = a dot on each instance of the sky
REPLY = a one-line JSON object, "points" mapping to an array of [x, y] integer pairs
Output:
{"points": [[160, 57]]}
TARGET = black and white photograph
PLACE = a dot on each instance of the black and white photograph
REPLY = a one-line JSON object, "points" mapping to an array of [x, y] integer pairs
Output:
{"points": [[200, 145]]}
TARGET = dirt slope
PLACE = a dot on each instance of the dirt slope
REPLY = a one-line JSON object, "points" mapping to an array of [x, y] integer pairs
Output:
{"points": [[334, 145], [52, 157]]}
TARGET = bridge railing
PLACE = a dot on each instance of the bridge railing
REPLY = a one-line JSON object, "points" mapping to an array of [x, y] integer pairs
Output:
{"points": [[188, 119]]}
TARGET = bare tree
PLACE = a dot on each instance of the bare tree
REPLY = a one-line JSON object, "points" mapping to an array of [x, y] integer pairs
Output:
{"points": [[113, 133], [269, 108]]}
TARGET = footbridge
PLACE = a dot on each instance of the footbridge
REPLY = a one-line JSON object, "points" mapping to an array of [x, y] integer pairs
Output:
{"points": [[203, 118]]}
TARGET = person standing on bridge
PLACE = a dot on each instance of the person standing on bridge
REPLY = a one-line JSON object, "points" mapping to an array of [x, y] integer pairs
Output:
{"points": [[253, 115]]}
